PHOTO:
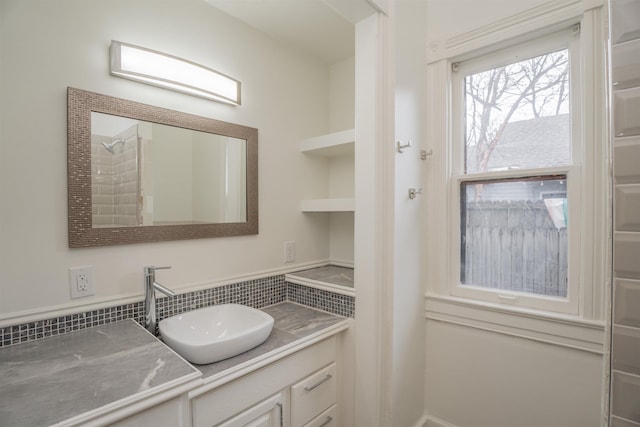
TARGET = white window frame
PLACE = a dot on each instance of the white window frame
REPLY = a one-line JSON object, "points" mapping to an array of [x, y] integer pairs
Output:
{"points": [[577, 322], [566, 39]]}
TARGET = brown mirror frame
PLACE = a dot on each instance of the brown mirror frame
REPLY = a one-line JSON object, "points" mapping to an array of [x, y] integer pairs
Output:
{"points": [[80, 104]]}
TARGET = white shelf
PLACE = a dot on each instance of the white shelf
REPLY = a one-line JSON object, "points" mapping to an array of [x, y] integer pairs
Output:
{"points": [[328, 205], [330, 145]]}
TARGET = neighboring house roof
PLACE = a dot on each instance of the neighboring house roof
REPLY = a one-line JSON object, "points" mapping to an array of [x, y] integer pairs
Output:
{"points": [[542, 142]]}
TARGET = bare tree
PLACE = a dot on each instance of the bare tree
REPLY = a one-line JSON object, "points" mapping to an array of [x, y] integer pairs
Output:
{"points": [[495, 97]]}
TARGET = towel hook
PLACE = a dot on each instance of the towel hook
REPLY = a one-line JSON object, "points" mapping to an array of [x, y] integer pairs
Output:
{"points": [[402, 146], [425, 153], [413, 192]]}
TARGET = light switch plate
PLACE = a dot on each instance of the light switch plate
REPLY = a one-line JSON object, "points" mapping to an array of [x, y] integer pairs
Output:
{"points": [[289, 251]]}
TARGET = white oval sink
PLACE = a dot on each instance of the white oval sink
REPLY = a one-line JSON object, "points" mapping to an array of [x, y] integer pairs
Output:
{"points": [[217, 332]]}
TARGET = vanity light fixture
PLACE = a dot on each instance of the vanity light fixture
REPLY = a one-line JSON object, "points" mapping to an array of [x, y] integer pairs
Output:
{"points": [[170, 72]]}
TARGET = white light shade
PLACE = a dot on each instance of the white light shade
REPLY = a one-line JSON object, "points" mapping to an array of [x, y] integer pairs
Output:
{"points": [[159, 69]]}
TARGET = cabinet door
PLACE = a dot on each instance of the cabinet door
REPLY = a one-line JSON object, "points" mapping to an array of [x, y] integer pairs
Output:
{"points": [[173, 412], [267, 413]]}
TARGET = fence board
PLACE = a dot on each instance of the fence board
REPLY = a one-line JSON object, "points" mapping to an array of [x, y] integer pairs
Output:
{"points": [[506, 267], [495, 257], [552, 253], [515, 246], [539, 261]]}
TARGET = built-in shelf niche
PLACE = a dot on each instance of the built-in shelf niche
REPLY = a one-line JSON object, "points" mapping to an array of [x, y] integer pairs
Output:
{"points": [[334, 145]]}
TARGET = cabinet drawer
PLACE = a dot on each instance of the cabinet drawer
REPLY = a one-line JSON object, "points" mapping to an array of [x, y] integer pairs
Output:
{"points": [[267, 413], [328, 418], [313, 395]]}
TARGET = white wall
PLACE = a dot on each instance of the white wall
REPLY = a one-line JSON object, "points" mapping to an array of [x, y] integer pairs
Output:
{"points": [[172, 177], [341, 169], [477, 377], [209, 176], [373, 254], [342, 95], [46, 46], [408, 307], [451, 17]]}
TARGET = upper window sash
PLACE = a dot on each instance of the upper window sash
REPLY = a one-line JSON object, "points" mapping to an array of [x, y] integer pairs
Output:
{"points": [[565, 39]]}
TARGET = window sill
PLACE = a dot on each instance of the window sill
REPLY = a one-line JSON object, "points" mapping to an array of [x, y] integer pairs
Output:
{"points": [[567, 331]]}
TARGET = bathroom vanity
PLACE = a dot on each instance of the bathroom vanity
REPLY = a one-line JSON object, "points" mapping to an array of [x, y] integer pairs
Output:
{"points": [[119, 374], [292, 377]]}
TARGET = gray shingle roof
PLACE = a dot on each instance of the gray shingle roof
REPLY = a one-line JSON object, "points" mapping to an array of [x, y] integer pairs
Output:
{"points": [[543, 142]]}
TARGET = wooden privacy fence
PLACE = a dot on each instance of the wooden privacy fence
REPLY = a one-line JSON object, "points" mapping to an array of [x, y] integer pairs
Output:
{"points": [[514, 246]]}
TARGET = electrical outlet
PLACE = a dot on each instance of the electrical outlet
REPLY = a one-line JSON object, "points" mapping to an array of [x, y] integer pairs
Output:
{"points": [[289, 251], [81, 281]]}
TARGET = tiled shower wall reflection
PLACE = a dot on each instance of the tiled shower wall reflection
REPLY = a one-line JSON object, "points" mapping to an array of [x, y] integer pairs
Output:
{"points": [[256, 293], [114, 180]]}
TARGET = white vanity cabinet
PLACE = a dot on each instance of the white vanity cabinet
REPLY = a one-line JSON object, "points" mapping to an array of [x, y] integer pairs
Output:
{"points": [[295, 391]]}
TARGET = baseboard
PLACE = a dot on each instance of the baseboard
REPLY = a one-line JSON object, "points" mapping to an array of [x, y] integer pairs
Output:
{"points": [[431, 421], [421, 422]]}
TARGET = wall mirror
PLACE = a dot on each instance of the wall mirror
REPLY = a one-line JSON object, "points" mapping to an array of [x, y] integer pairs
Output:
{"points": [[139, 173]]}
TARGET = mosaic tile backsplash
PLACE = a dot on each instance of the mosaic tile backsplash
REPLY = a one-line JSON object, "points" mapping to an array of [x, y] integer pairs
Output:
{"points": [[254, 293], [331, 302]]}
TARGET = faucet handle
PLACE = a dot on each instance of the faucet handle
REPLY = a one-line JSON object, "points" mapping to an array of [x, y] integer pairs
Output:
{"points": [[154, 268], [149, 270]]}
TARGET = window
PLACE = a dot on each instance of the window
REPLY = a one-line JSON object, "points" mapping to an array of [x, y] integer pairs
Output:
{"points": [[515, 182], [517, 222]]}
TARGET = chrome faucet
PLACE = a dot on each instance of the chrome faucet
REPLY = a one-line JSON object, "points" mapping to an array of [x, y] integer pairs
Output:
{"points": [[150, 286]]}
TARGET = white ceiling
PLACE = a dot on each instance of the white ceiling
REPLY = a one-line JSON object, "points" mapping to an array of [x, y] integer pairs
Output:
{"points": [[312, 26]]}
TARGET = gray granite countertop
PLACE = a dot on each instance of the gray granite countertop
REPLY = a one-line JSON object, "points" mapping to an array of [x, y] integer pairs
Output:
{"points": [[50, 380], [293, 322], [334, 274]]}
